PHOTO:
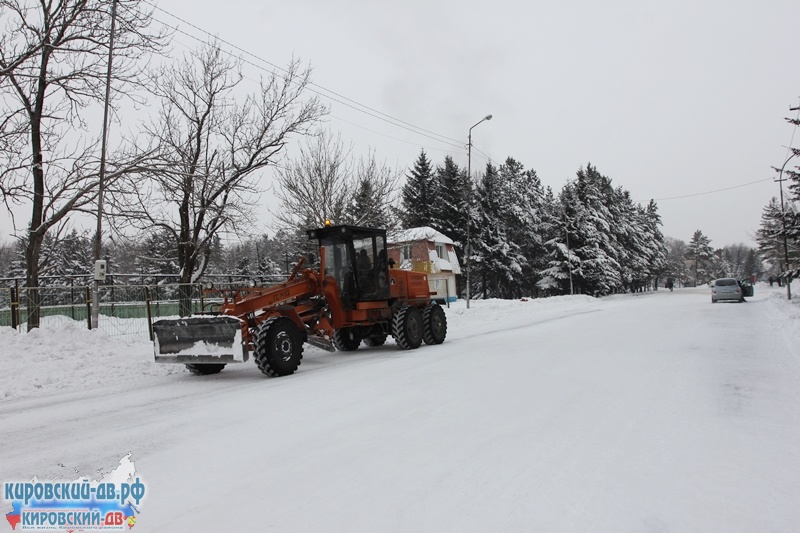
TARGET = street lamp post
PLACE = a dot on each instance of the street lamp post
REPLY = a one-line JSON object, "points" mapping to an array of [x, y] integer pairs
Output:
{"points": [[468, 249], [783, 221]]}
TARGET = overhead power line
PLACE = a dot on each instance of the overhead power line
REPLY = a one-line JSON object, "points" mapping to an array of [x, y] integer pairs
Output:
{"points": [[712, 192], [316, 88]]}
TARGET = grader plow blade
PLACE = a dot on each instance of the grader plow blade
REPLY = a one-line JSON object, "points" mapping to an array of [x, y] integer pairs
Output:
{"points": [[202, 339]]}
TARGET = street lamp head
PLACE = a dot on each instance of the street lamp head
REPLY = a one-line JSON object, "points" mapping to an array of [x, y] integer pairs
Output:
{"points": [[487, 117]]}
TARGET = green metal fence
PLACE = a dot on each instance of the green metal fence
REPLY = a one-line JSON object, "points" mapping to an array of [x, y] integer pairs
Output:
{"points": [[125, 310]]}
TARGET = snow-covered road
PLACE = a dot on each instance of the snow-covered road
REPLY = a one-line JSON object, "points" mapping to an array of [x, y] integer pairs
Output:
{"points": [[654, 412]]}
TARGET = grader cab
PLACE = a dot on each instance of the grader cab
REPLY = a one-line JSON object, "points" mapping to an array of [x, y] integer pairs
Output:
{"points": [[354, 296]]}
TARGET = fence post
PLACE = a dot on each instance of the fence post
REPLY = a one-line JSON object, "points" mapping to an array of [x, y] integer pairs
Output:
{"points": [[184, 299], [72, 297], [89, 307], [147, 310], [14, 307]]}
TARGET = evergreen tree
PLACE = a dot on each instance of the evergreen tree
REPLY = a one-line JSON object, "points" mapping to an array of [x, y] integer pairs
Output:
{"points": [[244, 261], [770, 235], [557, 276], [419, 195], [599, 269], [496, 258], [753, 265], [733, 262], [455, 194], [522, 215], [75, 256], [676, 265], [701, 254], [367, 208], [62, 259], [216, 257], [551, 265], [655, 246], [599, 236], [157, 262], [8, 255]]}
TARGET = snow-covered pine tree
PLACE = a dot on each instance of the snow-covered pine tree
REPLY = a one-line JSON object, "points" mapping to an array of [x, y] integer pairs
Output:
{"points": [[676, 267], [455, 193], [526, 222], [626, 231], [557, 276], [419, 195], [769, 236], [701, 254], [599, 269], [157, 262], [75, 257], [367, 208], [496, 258], [656, 247], [752, 264]]}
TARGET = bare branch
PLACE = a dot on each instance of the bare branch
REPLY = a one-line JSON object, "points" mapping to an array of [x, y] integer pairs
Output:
{"points": [[211, 147]]}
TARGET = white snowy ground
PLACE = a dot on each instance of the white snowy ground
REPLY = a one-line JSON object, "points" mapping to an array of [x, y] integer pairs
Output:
{"points": [[652, 412]]}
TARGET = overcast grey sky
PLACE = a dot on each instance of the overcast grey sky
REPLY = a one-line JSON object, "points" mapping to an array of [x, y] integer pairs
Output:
{"points": [[668, 99]]}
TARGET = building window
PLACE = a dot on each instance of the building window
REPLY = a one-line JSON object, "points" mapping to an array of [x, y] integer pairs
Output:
{"points": [[441, 251], [405, 252]]}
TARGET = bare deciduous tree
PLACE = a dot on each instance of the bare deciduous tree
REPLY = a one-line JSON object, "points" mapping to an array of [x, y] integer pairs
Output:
{"points": [[211, 149], [316, 185], [323, 183], [53, 62], [376, 196]]}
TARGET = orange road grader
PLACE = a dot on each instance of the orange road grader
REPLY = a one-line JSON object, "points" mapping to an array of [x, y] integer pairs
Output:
{"points": [[355, 296]]}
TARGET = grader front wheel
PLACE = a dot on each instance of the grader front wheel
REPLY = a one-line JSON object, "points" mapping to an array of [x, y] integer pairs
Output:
{"points": [[205, 369], [278, 347]]}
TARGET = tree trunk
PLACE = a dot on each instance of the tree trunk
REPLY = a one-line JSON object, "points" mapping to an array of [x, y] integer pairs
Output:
{"points": [[35, 231], [32, 280]]}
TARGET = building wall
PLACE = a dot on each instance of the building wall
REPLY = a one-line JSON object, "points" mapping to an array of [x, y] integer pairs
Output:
{"points": [[443, 283]]}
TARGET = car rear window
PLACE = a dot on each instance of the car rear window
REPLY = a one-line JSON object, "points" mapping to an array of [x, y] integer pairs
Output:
{"points": [[725, 282]]}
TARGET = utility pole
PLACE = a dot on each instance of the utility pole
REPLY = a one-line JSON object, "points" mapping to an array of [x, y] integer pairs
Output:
{"points": [[783, 220], [100, 266]]}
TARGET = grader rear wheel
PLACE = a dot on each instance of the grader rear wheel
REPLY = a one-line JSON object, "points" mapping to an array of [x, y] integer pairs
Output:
{"points": [[434, 324], [278, 347], [376, 339], [346, 339], [407, 327]]}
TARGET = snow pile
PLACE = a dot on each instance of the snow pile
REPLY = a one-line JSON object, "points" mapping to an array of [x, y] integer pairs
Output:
{"points": [[65, 356], [784, 314]]}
